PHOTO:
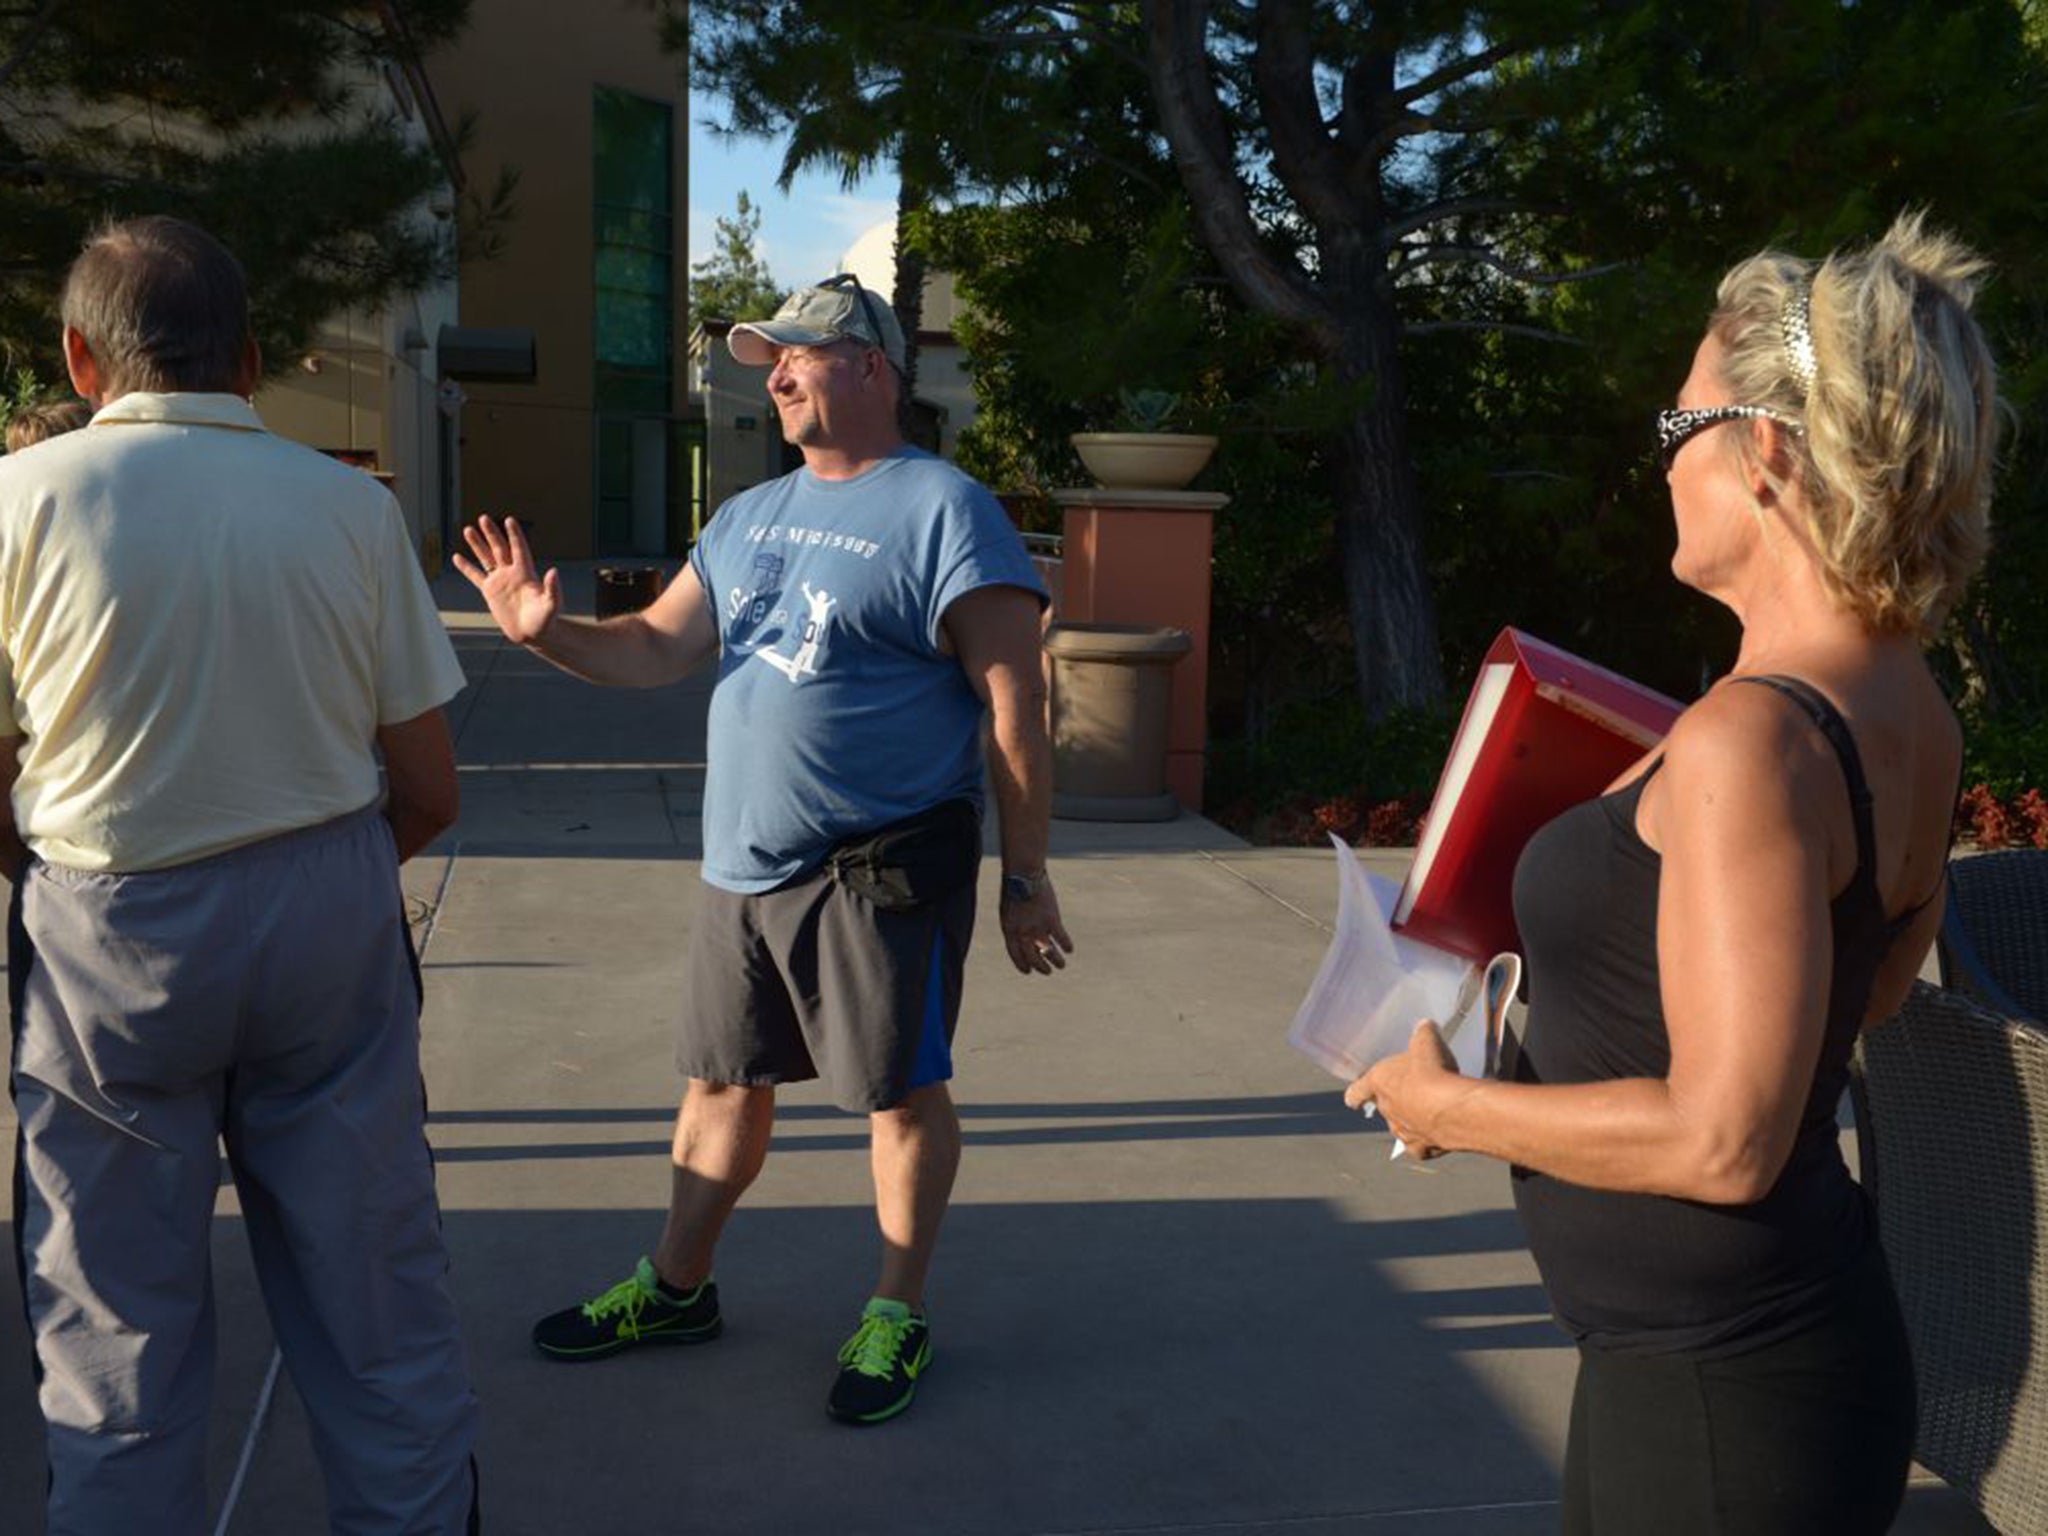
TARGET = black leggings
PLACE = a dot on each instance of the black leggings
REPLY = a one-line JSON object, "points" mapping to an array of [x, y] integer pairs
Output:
{"points": [[1810, 1436]]}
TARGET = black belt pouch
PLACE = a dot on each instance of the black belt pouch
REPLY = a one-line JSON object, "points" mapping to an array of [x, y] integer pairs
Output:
{"points": [[912, 862]]}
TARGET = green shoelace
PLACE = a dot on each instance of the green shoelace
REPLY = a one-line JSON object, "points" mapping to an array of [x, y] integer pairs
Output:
{"points": [[628, 1296], [875, 1348]]}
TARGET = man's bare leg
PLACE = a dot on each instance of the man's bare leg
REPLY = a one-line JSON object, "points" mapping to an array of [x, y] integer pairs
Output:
{"points": [[915, 1152], [721, 1141]]}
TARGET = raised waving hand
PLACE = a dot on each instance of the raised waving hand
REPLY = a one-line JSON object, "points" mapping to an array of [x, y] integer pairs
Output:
{"points": [[522, 601]]}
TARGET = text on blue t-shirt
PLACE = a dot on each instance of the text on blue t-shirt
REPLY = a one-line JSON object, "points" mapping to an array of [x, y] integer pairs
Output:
{"points": [[835, 710]]}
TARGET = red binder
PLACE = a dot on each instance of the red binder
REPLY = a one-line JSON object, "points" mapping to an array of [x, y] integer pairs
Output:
{"points": [[1542, 731]]}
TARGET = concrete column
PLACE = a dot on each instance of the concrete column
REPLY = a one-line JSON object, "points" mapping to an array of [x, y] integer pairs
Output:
{"points": [[1142, 557]]}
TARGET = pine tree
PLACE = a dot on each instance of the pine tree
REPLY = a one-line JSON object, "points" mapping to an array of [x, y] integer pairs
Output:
{"points": [[733, 282], [236, 114]]}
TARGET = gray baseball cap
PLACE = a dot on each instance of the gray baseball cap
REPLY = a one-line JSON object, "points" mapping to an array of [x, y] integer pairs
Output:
{"points": [[838, 309]]}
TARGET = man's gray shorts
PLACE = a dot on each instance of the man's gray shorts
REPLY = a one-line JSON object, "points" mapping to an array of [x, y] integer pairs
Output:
{"points": [[813, 980]]}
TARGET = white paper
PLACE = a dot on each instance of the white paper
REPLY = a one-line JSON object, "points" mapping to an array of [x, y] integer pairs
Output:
{"points": [[1375, 985]]}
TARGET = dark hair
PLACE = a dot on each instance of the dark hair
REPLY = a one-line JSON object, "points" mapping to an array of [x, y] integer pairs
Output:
{"points": [[161, 303]]}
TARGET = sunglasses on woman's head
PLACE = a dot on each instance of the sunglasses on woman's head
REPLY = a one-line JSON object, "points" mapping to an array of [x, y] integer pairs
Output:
{"points": [[1676, 428]]}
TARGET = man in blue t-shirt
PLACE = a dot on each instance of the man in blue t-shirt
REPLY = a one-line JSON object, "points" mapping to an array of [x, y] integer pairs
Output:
{"points": [[865, 612]]}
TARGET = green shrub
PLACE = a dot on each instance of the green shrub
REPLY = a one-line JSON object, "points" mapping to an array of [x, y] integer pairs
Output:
{"points": [[2006, 753], [1321, 769]]}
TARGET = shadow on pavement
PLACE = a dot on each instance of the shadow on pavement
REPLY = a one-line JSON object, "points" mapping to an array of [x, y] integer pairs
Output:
{"points": [[1106, 1366]]}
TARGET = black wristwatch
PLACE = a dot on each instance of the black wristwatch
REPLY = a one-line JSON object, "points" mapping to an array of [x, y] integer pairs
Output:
{"points": [[1022, 887]]}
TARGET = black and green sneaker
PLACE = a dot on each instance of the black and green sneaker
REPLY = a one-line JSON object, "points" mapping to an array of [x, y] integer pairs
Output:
{"points": [[879, 1366], [638, 1310]]}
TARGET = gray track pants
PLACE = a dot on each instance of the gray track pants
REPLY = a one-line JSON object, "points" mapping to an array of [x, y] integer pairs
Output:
{"points": [[266, 998]]}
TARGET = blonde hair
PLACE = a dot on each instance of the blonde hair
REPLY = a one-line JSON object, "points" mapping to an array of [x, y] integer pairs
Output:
{"points": [[1900, 424], [39, 423]]}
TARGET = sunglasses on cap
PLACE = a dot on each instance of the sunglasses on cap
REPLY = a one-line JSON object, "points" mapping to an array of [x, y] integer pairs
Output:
{"points": [[867, 308]]}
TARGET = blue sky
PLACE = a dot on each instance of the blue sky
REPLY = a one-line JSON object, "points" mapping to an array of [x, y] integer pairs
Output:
{"points": [[803, 231]]}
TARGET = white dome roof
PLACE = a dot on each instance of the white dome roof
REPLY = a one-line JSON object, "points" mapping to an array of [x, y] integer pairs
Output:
{"points": [[872, 259]]}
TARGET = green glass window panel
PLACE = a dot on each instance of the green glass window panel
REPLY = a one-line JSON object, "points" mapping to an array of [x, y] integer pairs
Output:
{"points": [[634, 265], [632, 332], [686, 487], [644, 392], [632, 148], [634, 229], [614, 457], [613, 534], [632, 274]]}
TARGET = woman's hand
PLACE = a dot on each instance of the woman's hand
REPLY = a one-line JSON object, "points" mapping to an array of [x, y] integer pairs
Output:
{"points": [[1412, 1089]]}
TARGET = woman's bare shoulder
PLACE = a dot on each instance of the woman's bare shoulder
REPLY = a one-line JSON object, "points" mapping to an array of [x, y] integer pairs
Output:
{"points": [[1742, 758], [1742, 728]]}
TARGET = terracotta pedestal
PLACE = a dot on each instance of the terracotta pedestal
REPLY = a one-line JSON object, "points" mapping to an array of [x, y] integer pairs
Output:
{"points": [[1142, 557]]}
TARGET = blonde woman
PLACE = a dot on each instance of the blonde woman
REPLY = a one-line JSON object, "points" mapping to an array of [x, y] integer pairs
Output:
{"points": [[1705, 940]]}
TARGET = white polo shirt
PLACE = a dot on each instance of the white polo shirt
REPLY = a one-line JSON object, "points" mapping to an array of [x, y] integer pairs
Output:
{"points": [[201, 628]]}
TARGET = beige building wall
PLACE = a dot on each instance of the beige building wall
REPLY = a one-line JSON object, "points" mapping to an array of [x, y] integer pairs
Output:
{"points": [[743, 438], [368, 386], [529, 70], [742, 435], [943, 381]]}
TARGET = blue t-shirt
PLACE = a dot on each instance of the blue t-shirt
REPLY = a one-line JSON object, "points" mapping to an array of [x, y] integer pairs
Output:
{"points": [[835, 710]]}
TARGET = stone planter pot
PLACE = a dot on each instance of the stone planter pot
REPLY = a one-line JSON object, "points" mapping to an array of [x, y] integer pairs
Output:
{"points": [[1155, 461], [1112, 702]]}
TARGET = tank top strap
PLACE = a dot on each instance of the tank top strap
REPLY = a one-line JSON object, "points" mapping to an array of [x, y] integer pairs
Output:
{"points": [[1828, 720]]}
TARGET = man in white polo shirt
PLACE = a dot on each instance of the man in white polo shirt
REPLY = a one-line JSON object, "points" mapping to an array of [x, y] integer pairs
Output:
{"points": [[206, 635]]}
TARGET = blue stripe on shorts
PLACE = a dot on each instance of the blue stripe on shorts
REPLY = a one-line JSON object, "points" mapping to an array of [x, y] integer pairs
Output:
{"points": [[934, 1063]]}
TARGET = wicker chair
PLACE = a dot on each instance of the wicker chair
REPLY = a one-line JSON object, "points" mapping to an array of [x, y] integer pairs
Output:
{"points": [[1994, 935], [1952, 1126]]}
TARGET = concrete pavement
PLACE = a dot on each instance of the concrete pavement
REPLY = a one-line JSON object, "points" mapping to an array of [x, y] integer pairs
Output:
{"points": [[1180, 1290]]}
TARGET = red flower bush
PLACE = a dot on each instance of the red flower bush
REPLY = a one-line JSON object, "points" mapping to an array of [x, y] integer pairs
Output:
{"points": [[1987, 821], [1393, 824], [1307, 822], [1984, 818], [2031, 810], [1342, 817]]}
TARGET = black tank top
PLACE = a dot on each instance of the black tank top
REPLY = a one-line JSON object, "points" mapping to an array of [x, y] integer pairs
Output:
{"points": [[1649, 1273]]}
